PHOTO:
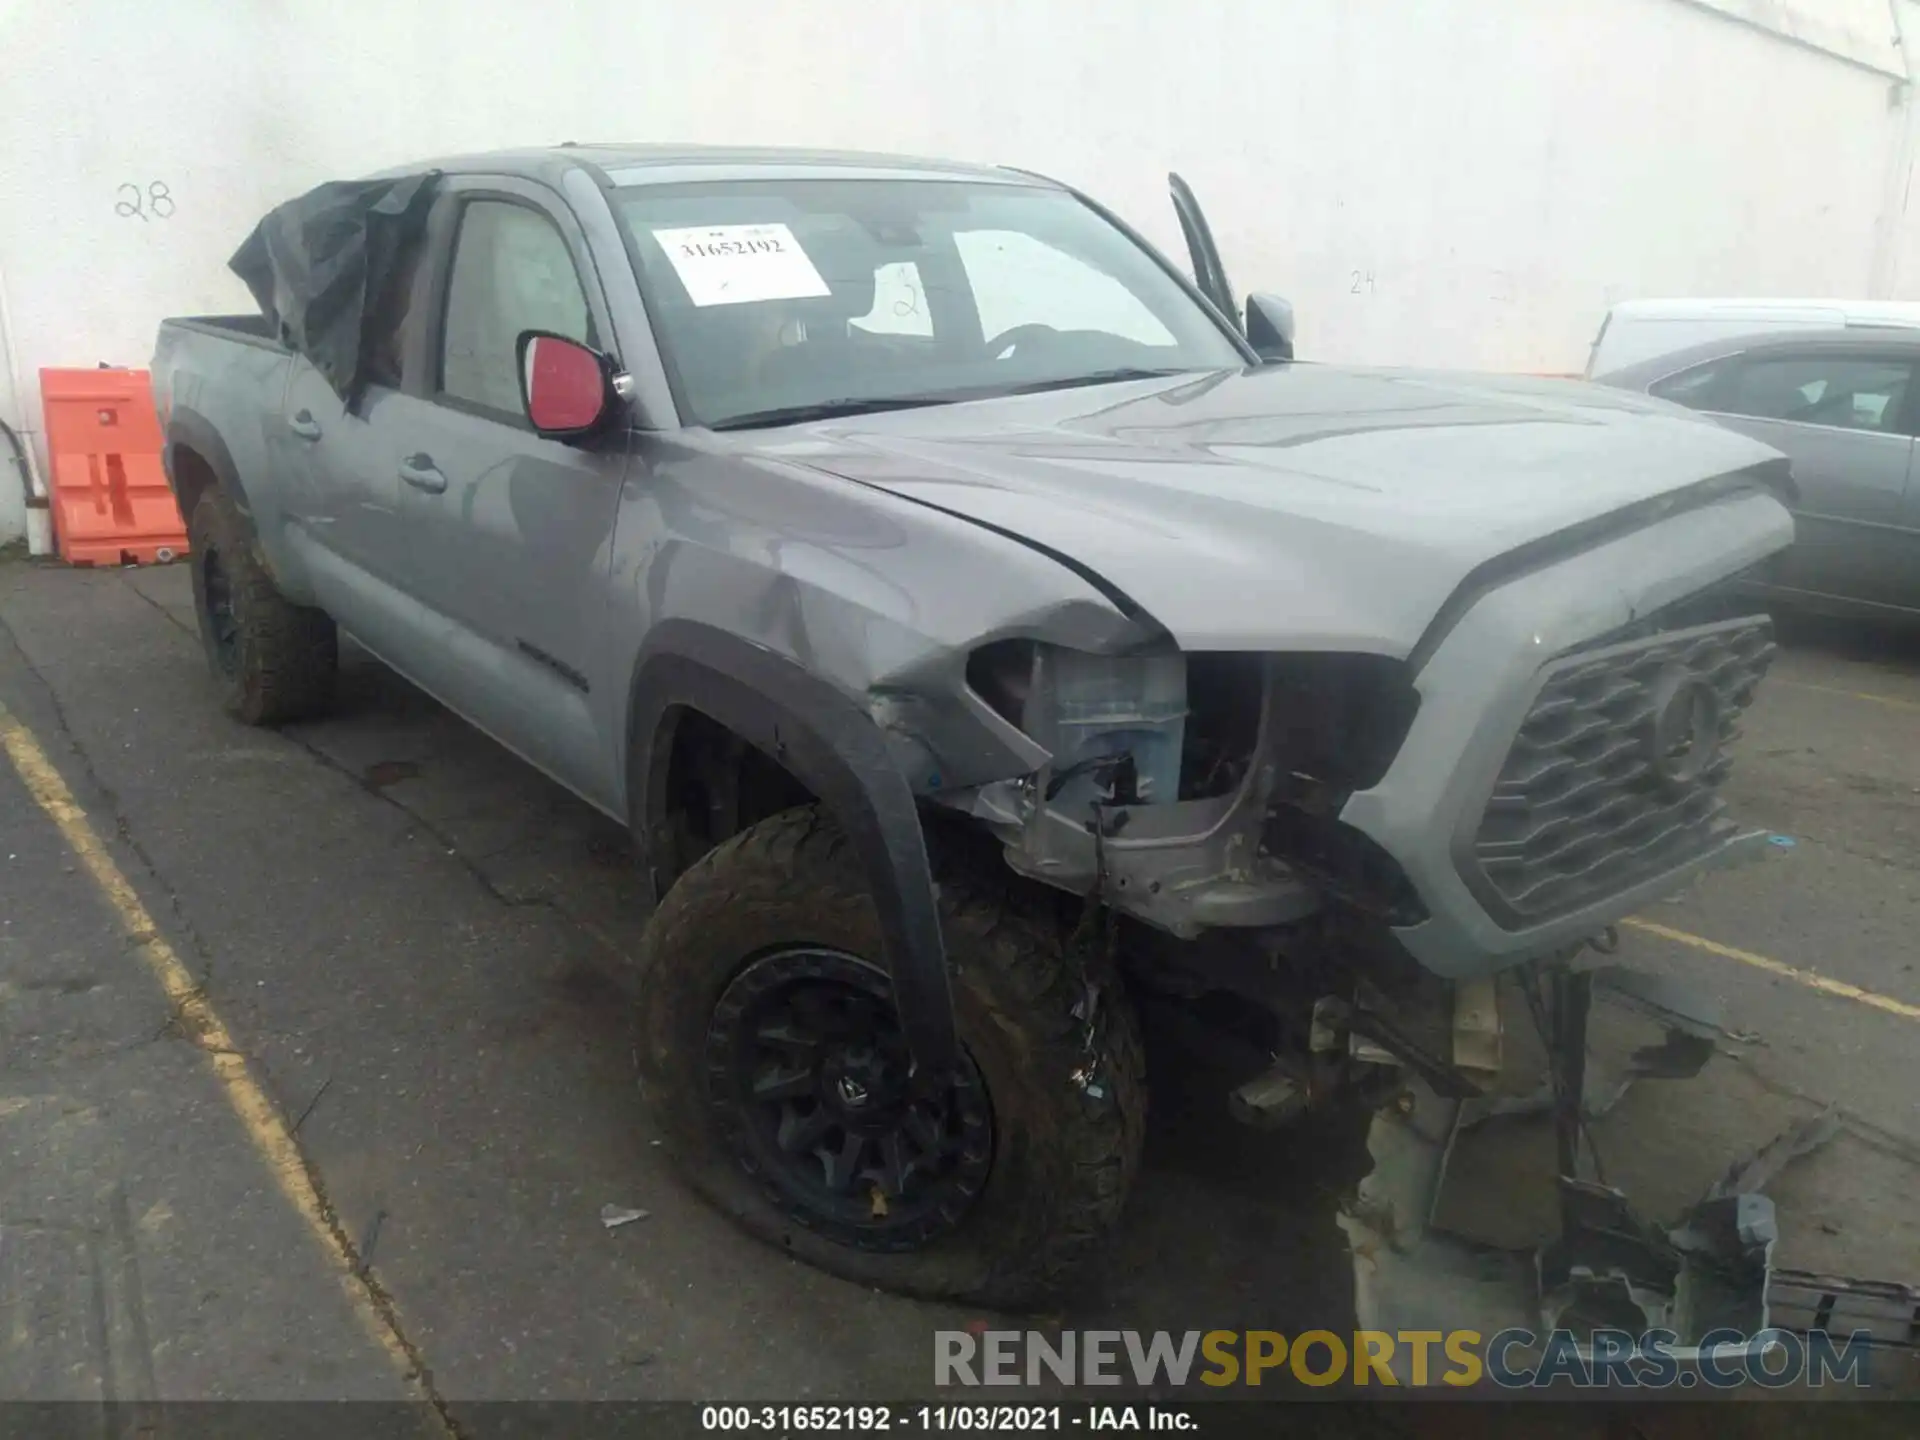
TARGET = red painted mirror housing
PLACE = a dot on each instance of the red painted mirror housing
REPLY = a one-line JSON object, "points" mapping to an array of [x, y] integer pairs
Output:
{"points": [[564, 386]]}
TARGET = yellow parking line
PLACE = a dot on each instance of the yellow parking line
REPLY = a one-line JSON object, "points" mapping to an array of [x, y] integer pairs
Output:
{"points": [[195, 1015], [1850, 694], [1813, 980]]}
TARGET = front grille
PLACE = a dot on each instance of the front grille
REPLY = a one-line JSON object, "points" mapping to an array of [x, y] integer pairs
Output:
{"points": [[1614, 777]]}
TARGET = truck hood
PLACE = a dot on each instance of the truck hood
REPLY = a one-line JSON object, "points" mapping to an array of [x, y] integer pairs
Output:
{"points": [[1321, 508]]}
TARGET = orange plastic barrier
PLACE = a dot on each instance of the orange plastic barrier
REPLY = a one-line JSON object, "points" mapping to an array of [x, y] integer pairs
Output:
{"points": [[110, 501]]}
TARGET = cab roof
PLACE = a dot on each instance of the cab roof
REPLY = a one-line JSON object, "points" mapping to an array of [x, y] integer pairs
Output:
{"points": [[643, 164]]}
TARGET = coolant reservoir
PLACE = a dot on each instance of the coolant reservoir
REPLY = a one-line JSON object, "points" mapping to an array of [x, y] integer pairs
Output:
{"points": [[1083, 707]]}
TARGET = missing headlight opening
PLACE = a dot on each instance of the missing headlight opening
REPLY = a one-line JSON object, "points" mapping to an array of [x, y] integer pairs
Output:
{"points": [[1199, 791], [1115, 725], [1223, 723], [1339, 720]]}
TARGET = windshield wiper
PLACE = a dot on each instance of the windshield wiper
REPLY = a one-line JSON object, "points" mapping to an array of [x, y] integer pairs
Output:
{"points": [[1095, 377], [828, 410], [872, 405]]}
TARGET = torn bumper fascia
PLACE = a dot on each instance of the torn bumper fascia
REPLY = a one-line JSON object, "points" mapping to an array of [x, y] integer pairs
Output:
{"points": [[1608, 1267]]}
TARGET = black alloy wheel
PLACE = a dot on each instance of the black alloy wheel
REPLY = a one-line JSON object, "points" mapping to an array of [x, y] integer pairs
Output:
{"points": [[810, 1080], [223, 629]]}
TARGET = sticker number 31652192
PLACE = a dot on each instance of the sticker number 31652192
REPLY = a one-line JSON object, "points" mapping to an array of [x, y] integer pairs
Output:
{"points": [[732, 264]]}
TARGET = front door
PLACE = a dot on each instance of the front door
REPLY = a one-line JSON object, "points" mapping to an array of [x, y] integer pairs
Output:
{"points": [[508, 535]]}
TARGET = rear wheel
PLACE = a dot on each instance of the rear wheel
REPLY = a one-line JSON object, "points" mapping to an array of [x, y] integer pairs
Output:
{"points": [[273, 660], [773, 1059]]}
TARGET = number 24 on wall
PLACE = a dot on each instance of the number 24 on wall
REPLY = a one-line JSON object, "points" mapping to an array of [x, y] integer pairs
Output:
{"points": [[155, 201]]}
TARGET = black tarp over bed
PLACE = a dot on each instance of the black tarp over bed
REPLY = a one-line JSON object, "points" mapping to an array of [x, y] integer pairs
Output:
{"points": [[321, 265]]}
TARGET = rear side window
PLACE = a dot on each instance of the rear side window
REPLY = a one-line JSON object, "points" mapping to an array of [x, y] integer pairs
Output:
{"points": [[1844, 391], [512, 271], [1697, 388]]}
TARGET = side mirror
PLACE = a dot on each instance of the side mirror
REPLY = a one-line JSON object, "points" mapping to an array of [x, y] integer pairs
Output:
{"points": [[565, 388], [1270, 328]]}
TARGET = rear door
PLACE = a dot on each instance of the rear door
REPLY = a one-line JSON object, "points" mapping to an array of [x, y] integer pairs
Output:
{"points": [[507, 536], [340, 477], [1843, 414]]}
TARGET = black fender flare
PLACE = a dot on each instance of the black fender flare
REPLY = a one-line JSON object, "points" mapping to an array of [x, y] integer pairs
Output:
{"points": [[834, 748], [190, 429]]}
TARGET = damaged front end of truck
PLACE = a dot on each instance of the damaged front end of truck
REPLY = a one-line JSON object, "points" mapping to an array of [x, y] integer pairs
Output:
{"points": [[1395, 886]]}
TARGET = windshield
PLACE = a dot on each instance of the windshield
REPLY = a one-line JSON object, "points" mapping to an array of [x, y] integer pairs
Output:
{"points": [[773, 299]]}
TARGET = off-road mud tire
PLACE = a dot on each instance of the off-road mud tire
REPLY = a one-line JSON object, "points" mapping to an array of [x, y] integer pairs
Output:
{"points": [[280, 661], [1068, 1100]]}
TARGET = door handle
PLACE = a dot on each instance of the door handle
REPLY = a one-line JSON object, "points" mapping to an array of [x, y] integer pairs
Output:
{"points": [[304, 425], [420, 472]]}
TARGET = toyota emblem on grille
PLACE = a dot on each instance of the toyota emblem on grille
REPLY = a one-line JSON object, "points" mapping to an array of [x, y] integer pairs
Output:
{"points": [[1686, 728]]}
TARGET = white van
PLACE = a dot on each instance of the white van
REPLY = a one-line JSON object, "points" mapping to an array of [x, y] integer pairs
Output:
{"points": [[1637, 330]]}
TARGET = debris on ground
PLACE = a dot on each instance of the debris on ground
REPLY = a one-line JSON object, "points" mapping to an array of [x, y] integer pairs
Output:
{"points": [[1755, 1171], [614, 1216]]}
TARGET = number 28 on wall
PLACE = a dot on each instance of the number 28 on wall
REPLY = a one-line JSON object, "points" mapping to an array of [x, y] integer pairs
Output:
{"points": [[154, 202]]}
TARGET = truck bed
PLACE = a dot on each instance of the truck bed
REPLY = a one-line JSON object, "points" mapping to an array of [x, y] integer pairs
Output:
{"points": [[248, 329], [217, 382]]}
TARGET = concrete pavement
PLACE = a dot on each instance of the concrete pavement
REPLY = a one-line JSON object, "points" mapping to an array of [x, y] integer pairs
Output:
{"points": [[147, 1247]]}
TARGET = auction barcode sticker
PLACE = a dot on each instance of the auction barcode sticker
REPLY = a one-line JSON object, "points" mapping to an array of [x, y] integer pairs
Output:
{"points": [[731, 264]]}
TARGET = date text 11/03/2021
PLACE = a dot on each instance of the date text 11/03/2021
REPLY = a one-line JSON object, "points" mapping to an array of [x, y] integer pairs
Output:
{"points": [[936, 1419]]}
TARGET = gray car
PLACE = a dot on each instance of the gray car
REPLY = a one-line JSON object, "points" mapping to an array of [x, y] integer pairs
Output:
{"points": [[1843, 407], [987, 631]]}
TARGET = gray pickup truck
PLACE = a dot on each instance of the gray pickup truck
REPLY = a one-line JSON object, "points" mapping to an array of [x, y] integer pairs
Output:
{"points": [[989, 631]]}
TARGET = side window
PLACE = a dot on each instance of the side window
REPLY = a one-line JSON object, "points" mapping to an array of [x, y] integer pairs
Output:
{"points": [[1697, 389], [512, 271], [1020, 280], [1850, 392]]}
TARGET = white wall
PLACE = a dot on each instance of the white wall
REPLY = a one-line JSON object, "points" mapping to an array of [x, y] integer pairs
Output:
{"points": [[1451, 182]]}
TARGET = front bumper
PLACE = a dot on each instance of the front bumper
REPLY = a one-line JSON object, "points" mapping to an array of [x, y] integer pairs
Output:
{"points": [[1478, 687]]}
